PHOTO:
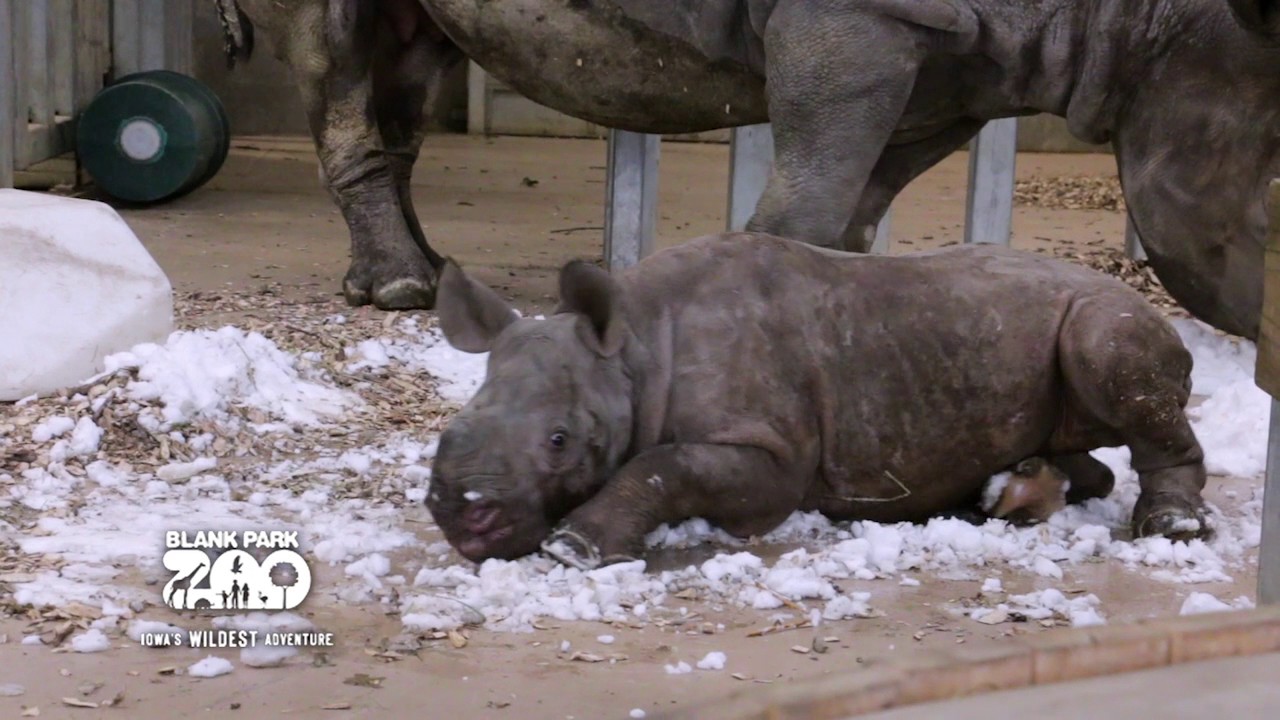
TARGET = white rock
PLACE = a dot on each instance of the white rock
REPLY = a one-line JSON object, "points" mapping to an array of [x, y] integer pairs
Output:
{"points": [[76, 285]]}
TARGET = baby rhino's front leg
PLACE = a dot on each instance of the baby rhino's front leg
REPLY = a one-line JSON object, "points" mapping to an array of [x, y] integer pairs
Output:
{"points": [[740, 489]]}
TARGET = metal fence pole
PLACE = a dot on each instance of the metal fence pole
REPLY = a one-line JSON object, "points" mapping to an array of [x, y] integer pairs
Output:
{"points": [[1269, 547], [1132, 243], [989, 203], [750, 162], [8, 106], [631, 197]]}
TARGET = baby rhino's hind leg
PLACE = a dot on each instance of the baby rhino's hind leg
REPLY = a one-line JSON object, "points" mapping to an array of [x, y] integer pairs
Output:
{"points": [[1127, 371], [1090, 477]]}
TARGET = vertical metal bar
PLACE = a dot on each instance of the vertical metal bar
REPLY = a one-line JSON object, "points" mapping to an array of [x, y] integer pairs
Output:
{"points": [[631, 197], [1132, 243], [20, 19], [39, 77], [750, 163], [62, 44], [880, 245], [126, 48], [92, 50], [989, 205], [1269, 548], [477, 100], [179, 28], [151, 27], [8, 83]]}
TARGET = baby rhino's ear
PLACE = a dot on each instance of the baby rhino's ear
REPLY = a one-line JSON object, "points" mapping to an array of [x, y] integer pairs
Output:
{"points": [[471, 314], [591, 292]]}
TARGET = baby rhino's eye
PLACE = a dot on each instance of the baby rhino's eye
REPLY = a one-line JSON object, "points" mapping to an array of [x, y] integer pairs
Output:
{"points": [[558, 439]]}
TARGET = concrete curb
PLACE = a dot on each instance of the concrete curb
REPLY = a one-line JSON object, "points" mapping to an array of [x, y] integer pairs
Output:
{"points": [[1055, 656]]}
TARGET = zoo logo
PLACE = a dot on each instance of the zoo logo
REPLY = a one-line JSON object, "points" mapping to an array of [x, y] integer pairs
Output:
{"points": [[234, 579]]}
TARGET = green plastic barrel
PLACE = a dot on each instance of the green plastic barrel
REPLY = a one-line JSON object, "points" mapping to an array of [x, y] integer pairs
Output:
{"points": [[153, 136]]}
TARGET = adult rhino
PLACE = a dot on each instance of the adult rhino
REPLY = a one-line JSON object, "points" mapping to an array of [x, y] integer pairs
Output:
{"points": [[742, 377], [864, 95]]}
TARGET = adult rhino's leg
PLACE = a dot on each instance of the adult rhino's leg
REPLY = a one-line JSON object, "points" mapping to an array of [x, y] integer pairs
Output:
{"points": [[1128, 378], [897, 167], [839, 79], [1090, 477], [743, 490], [411, 62], [1200, 211], [332, 56]]}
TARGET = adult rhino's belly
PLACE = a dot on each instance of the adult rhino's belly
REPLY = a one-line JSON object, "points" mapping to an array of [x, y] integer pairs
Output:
{"points": [[603, 67]]}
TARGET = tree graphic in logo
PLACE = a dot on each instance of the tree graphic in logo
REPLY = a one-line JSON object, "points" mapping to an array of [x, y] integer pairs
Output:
{"points": [[284, 576]]}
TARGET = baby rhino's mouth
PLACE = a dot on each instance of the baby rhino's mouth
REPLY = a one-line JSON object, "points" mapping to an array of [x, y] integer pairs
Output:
{"points": [[483, 526]]}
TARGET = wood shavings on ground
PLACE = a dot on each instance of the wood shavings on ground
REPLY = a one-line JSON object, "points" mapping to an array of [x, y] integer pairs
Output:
{"points": [[1070, 193]]}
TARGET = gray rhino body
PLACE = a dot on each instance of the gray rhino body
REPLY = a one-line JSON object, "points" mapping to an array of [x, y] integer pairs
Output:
{"points": [[864, 95], [740, 378]]}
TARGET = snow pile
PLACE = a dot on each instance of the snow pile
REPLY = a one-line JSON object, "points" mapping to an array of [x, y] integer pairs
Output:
{"points": [[712, 661], [1232, 422], [92, 641], [459, 374], [1198, 602], [210, 667], [1047, 604], [200, 373]]}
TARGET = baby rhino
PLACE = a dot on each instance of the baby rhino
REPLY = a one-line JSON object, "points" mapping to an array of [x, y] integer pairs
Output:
{"points": [[742, 377], [1028, 494]]}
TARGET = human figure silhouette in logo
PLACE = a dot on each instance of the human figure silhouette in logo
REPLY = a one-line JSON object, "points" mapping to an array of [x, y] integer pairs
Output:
{"points": [[184, 584], [235, 593], [224, 598], [245, 595]]}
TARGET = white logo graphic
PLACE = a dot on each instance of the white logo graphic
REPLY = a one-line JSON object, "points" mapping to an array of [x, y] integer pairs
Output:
{"points": [[231, 578]]}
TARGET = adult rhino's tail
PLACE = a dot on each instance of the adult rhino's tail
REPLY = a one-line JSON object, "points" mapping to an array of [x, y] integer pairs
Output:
{"points": [[237, 31]]}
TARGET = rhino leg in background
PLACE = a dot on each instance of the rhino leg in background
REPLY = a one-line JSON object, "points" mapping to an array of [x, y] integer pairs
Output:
{"points": [[831, 126], [408, 70], [741, 489], [897, 167], [1090, 477], [1136, 397], [331, 53]]}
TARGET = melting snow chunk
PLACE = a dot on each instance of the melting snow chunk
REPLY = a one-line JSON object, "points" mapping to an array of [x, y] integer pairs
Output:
{"points": [[679, 668], [712, 661], [210, 667], [91, 641]]}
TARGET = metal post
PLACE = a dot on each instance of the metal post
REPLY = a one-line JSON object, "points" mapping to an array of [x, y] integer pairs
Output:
{"points": [[1269, 548], [989, 205], [880, 245], [8, 111], [477, 100], [1132, 243], [631, 197], [151, 35], [750, 162]]}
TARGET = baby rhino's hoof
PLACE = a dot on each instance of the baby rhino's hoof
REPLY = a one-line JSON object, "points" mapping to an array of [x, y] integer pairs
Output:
{"points": [[1028, 494], [571, 549], [1172, 517]]}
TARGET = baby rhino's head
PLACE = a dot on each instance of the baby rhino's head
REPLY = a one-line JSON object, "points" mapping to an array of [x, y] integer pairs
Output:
{"points": [[548, 425]]}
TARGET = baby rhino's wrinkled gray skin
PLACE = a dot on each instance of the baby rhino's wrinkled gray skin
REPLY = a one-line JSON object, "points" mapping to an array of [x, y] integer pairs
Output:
{"points": [[742, 377]]}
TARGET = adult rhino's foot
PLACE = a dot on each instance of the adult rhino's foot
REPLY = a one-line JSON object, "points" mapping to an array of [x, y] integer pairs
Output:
{"points": [[398, 289], [1172, 515]]}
